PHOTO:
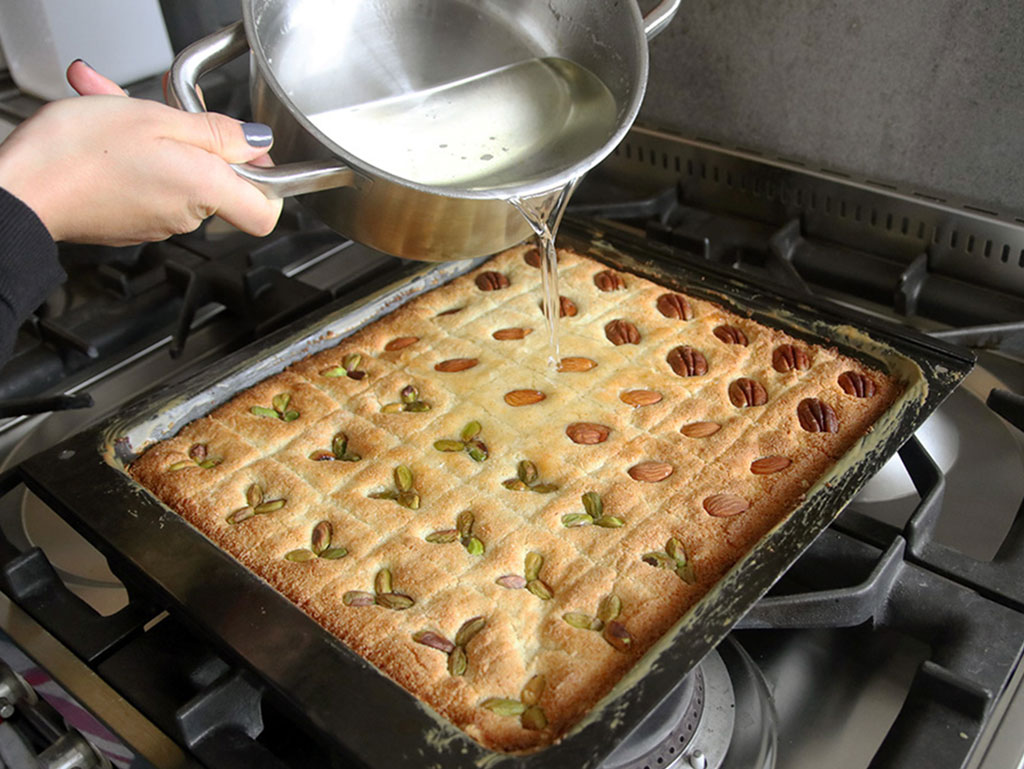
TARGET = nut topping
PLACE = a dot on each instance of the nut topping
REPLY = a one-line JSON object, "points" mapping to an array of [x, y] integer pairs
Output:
{"points": [[675, 306], [587, 433], [621, 332], [607, 280], [400, 343], [491, 281], [725, 505], [524, 397], [700, 429], [508, 334], [638, 398], [731, 335], [686, 361], [651, 472], [532, 257], [566, 307], [817, 417], [857, 385], [769, 465], [575, 365], [455, 365], [745, 393], [789, 357]]}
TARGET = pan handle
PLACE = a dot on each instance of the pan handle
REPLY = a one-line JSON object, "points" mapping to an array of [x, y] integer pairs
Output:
{"points": [[656, 21], [276, 181]]}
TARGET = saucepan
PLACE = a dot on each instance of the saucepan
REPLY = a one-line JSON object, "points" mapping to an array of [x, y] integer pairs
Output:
{"points": [[409, 125]]}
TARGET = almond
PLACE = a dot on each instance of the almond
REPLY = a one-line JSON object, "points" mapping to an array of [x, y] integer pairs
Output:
{"points": [[400, 343], [638, 398], [576, 365], [725, 505], [651, 472], [769, 465], [454, 365], [587, 433], [524, 397], [700, 429], [506, 334]]}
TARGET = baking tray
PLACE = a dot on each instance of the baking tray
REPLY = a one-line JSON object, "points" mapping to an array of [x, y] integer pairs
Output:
{"points": [[344, 700]]}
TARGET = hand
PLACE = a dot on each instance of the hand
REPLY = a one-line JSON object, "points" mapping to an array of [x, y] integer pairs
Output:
{"points": [[107, 169]]}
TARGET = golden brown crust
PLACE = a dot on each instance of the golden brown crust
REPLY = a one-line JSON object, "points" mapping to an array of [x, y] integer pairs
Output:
{"points": [[703, 462]]}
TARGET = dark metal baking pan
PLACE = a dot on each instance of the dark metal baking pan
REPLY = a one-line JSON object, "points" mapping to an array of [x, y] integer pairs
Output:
{"points": [[344, 700]]}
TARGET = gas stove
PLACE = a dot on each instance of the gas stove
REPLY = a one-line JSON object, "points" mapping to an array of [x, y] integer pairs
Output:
{"points": [[894, 641]]}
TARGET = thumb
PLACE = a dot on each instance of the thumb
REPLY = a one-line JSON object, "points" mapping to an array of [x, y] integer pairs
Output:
{"points": [[88, 82], [221, 135]]}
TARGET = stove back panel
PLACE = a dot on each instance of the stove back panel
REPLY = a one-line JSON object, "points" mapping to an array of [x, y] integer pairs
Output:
{"points": [[925, 94]]}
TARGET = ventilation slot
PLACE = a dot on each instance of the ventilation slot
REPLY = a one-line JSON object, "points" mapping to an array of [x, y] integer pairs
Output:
{"points": [[988, 249], [970, 244], [1006, 253]]}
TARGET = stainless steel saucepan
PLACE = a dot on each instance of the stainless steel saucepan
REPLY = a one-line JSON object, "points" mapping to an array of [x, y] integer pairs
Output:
{"points": [[408, 125]]}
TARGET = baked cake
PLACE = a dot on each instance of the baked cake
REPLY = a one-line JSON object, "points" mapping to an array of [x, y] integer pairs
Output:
{"points": [[503, 539]]}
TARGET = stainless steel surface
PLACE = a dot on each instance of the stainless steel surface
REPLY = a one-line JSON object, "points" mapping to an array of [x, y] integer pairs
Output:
{"points": [[312, 57], [72, 751]]}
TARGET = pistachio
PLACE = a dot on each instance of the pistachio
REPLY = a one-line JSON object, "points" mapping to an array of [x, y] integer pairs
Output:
{"points": [[592, 504], [514, 484], [789, 357], [410, 401], [658, 560], [409, 394], [392, 408], [321, 537], [675, 559], [455, 365], [269, 507], [449, 445], [444, 537], [527, 479], [607, 280], [469, 630], [417, 407], [197, 453], [617, 636], [532, 565], [700, 429], [532, 691], [581, 621], [527, 471], [382, 583], [400, 343], [263, 411], [674, 306], [280, 402], [725, 505], [334, 373], [638, 398], [349, 367], [511, 334], [302, 555], [464, 523], [651, 472], [610, 608], [575, 365], [504, 707], [241, 515], [572, 520], [339, 451], [518, 398], [477, 450], [395, 601], [474, 545], [458, 662], [358, 598], [534, 719], [620, 332], [334, 553], [491, 281], [511, 581], [731, 335], [544, 488], [471, 430], [403, 478], [686, 573], [674, 549], [540, 589], [857, 385], [434, 641], [686, 361], [769, 465], [468, 442], [609, 522], [208, 464], [254, 494], [745, 392], [816, 416], [182, 465], [280, 410], [408, 499], [587, 433]]}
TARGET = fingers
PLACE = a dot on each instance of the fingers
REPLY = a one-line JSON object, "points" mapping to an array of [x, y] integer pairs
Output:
{"points": [[221, 135], [244, 206], [88, 82]]}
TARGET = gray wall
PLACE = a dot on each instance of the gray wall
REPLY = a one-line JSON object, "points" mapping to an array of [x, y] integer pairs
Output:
{"points": [[928, 94]]}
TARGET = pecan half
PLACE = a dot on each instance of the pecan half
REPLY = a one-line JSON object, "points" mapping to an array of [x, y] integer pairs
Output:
{"points": [[700, 429], [789, 357], [686, 361], [400, 343], [621, 331], [524, 397], [769, 465], [576, 365], [507, 334], [454, 365], [675, 306], [817, 417], [566, 307], [725, 505], [532, 257], [607, 280], [731, 335], [638, 398], [745, 393], [651, 472], [491, 281], [857, 385], [587, 433]]}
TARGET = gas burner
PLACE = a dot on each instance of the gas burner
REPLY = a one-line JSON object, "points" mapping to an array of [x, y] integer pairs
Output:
{"points": [[720, 716]]}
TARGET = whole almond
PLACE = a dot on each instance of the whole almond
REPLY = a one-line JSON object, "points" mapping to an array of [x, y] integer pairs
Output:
{"points": [[769, 465], [686, 361], [789, 357], [651, 472], [700, 429], [745, 392], [621, 331], [675, 306], [638, 398], [454, 365], [817, 417], [607, 280], [731, 335], [857, 385], [524, 397], [576, 365], [725, 505], [491, 281], [400, 343], [587, 433], [506, 334]]}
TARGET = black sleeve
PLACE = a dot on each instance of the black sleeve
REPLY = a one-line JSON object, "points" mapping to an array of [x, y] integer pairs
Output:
{"points": [[29, 269]]}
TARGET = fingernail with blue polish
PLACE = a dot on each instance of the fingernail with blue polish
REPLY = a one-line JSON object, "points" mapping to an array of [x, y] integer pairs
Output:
{"points": [[258, 134]]}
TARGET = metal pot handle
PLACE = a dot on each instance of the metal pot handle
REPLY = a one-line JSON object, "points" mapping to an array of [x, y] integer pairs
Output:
{"points": [[659, 18], [277, 181]]}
